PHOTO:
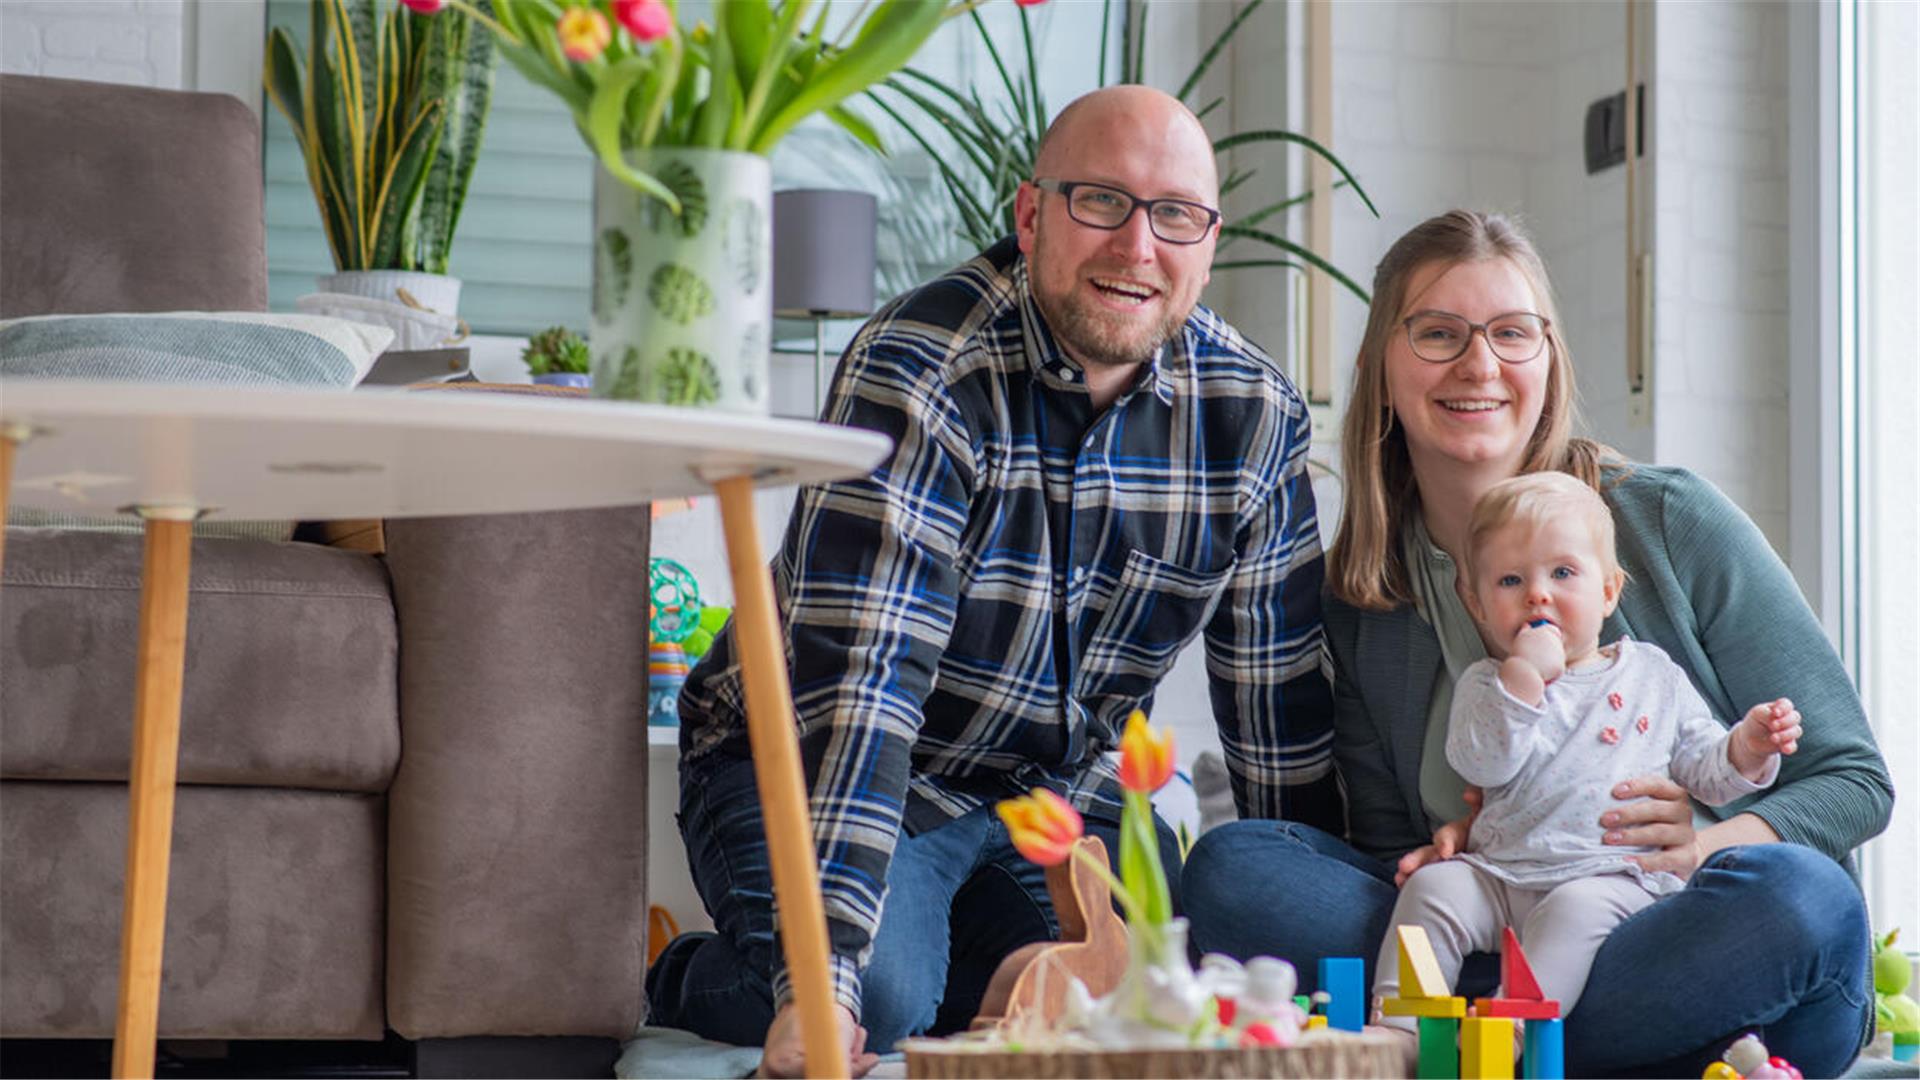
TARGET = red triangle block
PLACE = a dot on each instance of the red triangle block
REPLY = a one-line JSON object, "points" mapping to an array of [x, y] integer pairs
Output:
{"points": [[1517, 1009], [1516, 978]]}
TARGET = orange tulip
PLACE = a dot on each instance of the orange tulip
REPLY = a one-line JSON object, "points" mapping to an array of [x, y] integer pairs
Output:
{"points": [[1146, 759], [584, 33], [1043, 826]]}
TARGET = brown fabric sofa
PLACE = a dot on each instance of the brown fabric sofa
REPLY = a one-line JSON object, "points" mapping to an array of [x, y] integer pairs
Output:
{"points": [[413, 785]]}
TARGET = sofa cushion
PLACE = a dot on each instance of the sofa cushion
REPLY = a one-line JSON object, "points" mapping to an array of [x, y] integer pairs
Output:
{"points": [[290, 669], [235, 347], [274, 911]]}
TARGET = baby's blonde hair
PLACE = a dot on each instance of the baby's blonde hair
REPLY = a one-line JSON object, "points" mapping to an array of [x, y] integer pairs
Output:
{"points": [[1532, 499]]}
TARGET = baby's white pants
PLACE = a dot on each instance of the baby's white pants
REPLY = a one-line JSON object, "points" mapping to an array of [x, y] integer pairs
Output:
{"points": [[1464, 909]]}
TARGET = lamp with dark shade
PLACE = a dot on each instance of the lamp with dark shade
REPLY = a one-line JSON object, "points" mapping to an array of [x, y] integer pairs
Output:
{"points": [[823, 260]]}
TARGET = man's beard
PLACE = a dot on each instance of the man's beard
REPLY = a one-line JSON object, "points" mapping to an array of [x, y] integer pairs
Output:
{"points": [[1100, 337]]}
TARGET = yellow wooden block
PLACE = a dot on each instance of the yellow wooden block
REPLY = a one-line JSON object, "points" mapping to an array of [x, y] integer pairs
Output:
{"points": [[1486, 1048], [1419, 969], [1444, 1006], [1316, 1021]]}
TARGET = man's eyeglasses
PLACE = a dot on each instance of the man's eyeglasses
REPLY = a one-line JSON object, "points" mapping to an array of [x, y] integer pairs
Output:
{"points": [[1441, 337], [1098, 206]]}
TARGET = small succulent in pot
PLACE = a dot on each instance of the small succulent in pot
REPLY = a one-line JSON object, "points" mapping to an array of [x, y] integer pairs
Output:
{"points": [[557, 356]]}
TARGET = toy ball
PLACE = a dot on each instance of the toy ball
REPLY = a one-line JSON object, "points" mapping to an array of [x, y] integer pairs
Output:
{"points": [[1720, 1070], [676, 601]]}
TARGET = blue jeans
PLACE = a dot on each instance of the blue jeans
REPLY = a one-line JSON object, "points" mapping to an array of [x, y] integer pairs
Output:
{"points": [[1770, 938], [959, 899]]}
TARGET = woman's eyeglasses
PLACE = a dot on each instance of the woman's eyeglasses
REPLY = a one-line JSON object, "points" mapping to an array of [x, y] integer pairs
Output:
{"points": [[1441, 337]]}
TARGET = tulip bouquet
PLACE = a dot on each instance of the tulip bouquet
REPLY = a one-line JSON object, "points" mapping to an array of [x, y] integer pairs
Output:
{"points": [[634, 76], [1161, 999]]}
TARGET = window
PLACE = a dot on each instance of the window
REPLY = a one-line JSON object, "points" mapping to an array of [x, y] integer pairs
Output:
{"points": [[1884, 230]]}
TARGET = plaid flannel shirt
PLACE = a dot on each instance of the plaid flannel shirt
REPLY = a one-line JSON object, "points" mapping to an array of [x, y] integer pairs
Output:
{"points": [[979, 615]]}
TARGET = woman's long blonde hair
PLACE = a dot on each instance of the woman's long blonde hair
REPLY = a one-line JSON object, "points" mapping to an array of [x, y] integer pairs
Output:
{"points": [[1365, 567]]}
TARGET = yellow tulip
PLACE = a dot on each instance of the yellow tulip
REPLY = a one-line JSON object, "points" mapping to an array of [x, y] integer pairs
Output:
{"points": [[1146, 759], [1043, 826], [584, 33]]}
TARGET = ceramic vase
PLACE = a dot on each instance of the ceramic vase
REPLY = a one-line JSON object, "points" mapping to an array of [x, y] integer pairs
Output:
{"points": [[683, 304]]}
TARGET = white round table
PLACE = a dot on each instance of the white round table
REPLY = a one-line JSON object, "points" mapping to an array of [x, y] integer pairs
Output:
{"points": [[173, 454]]}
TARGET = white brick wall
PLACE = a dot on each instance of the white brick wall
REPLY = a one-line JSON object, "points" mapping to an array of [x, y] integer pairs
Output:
{"points": [[1719, 240], [141, 42]]}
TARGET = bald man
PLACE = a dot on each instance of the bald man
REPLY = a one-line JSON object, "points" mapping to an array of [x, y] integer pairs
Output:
{"points": [[1090, 469]]}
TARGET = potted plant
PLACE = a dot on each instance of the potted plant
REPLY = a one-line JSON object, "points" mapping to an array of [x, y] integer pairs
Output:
{"points": [[557, 357], [682, 120], [388, 107]]}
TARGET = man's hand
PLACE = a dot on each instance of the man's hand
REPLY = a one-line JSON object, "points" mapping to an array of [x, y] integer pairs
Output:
{"points": [[785, 1053], [1659, 817], [1769, 728], [1449, 840]]}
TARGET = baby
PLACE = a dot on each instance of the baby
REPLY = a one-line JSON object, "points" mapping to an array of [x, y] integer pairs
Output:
{"points": [[1546, 726]]}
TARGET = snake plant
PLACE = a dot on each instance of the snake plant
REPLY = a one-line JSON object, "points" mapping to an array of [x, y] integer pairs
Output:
{"points": [[388, 107]]}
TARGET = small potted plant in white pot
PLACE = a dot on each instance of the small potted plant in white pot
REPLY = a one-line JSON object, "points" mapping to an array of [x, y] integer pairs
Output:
{"points": [[388, 107], [558, 357]]}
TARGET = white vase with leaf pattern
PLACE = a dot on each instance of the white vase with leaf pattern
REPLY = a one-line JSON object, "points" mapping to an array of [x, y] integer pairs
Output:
{"points": [[683, 304]]}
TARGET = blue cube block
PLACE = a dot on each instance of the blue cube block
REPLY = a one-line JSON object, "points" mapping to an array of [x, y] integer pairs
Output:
{"points": [[1343, 978], [1542, 1057]]}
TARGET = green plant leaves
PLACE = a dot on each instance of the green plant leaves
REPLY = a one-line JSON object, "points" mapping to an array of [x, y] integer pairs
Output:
{"points": [[370, 108]]}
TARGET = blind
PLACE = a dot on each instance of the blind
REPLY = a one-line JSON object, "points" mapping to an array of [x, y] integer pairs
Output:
{"points": [[522, 247]]}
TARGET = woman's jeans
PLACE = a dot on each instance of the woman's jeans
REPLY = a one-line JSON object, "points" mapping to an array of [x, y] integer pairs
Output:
{"points": [[1770, 938], [959, 899]]}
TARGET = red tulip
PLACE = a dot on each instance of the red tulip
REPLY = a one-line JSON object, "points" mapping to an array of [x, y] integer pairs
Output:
{"points": [[1029, 3], [646, 20], [1146, 759], [425, 7], [584, 33], [1042, 825]]}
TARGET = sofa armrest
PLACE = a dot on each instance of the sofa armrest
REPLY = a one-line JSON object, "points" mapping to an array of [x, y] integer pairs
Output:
{"points": [[517, 827]]}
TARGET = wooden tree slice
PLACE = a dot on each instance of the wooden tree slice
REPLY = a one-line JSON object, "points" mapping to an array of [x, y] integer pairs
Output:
{"points": [[1317, 1054], [1033, 979]]}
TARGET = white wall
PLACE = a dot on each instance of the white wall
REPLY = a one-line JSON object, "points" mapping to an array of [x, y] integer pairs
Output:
{"points": [[140, 42], [1720, 365]]}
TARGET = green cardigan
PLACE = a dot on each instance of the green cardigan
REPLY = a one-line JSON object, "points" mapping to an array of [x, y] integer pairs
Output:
{"points": [[1703, 585]]}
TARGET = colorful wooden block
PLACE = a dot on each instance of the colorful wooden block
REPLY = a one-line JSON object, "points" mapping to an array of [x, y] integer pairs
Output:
{"points": [[1343, 978], [1439, 1048], [1486, 1048], [1543, 1056], [1447, 1006], [1517, 1009], [1316, 1021], [1516, 976], [1420, 975]]}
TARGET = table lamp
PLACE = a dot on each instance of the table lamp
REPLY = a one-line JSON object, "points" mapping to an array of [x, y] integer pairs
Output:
{"points": [[823, 260]]}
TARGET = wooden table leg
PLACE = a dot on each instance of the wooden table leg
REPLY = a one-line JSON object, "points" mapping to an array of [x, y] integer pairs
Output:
{"points": [[783, 793], [9, 440], [156, 755]]}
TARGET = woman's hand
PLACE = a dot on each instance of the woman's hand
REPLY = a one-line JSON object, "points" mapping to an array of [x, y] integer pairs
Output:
{"points": [[1660, 816], [1449, 840], [786, 1055]]}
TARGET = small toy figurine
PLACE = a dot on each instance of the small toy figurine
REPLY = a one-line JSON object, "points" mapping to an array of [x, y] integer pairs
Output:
{"points": [[1747, 1059], [1896, 1010]]}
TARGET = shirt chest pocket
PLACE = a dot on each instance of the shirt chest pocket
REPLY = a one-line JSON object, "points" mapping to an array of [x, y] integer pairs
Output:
{"points": [[1155, 609]]}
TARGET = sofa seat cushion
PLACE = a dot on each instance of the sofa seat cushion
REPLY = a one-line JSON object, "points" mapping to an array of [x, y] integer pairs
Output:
{"points": [[275, 913], [291, 672]]}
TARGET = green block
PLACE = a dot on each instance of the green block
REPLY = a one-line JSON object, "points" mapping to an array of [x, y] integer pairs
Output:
{"points": [[1439, 1048]]}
